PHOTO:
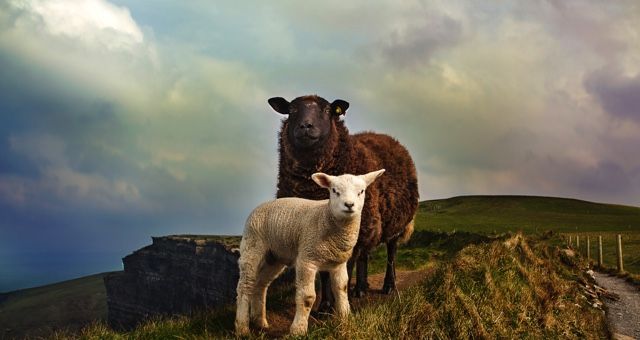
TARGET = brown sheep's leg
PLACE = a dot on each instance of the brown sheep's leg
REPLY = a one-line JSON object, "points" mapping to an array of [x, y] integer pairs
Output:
{"points": [[350, 264], [361, 274], [326, 300], [390, 276]]}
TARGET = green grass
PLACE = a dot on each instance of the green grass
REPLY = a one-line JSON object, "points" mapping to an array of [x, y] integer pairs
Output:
{"points": [[36, 311], [630, 248], [425, 246], [513, 288], [445, 230], [534, 215], [496, 214]]}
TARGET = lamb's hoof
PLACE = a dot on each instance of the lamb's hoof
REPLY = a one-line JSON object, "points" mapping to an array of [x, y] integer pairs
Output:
{"points": [[388, 288], [298, 330], [242, 330], [259, 323]]}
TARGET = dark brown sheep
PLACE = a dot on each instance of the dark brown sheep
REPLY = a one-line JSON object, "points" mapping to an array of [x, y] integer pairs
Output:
{"points": [[313, 138]]}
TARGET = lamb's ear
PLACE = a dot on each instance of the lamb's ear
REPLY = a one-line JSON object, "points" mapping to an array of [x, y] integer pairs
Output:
{"points": [[279, 104], [339, 107], [322, 179], [370, 177]]}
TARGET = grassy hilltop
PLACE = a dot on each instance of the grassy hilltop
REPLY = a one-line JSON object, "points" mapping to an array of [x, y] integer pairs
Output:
{"points": [[508, 287], [39, 310], [477, 284], [497, 214], [490, 215]]}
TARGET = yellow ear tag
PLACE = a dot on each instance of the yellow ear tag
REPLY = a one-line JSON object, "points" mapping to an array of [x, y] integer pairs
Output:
{"points": [[338, 110]]}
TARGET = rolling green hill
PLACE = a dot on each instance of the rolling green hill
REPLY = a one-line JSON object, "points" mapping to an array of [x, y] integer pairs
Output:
{"points": [[496, 214], [36, 311], [535, 214], [487, 215]]}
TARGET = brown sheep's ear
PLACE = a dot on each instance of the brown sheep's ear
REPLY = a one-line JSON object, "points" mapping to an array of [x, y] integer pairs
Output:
{"points": [[339, 107], [321, 179], [279, 104]]}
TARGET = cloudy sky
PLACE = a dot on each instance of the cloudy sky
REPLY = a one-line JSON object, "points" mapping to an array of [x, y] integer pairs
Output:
{"points": [[121, 120]]}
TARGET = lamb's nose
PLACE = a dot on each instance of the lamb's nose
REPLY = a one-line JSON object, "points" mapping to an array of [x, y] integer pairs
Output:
{"points": [[349, 205], [306, 125]]}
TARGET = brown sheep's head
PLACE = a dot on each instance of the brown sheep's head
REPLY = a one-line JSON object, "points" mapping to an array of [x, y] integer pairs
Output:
{"points": [[310, 119]]}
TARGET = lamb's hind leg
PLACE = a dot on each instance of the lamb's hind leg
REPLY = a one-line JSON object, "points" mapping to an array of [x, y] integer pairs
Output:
{"points": [[242, 310], [248, 265], [266, 274], [390, 276]]}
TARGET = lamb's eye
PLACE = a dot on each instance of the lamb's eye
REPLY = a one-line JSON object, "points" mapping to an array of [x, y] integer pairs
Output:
{"points": [[335, 192], [361, 192]]}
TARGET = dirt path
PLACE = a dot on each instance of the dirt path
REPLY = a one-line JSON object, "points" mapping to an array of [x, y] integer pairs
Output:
{"points": [[623, 315], [279, 321]]}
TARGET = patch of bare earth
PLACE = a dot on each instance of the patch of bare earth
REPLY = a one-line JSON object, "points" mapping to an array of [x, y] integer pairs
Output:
{"points": [[623, 315], [280, 320]]}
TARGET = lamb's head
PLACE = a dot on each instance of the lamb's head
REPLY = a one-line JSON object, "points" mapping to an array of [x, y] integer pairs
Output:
{"points": [[309, 119], [346, 192]]}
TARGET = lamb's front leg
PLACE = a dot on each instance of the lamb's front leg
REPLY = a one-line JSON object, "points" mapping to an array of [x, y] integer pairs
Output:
{"points": [[339, 286], [305, 296]]}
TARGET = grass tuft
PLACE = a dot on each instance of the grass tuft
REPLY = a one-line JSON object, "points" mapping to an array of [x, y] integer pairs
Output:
{"points": [[513, 289]]}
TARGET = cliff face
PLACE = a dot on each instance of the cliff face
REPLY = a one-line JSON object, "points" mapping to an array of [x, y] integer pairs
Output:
{"points": [[174, 275]]}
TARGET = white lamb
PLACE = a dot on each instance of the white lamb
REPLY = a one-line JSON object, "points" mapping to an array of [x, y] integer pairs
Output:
{"points": [[310, 235]]}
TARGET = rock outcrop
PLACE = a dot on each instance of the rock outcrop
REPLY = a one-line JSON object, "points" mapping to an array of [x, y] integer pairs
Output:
{"points": [[174, 275]]}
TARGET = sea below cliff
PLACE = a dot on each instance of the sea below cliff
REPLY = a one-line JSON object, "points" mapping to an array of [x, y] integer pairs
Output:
{"points": [[32, 269]]}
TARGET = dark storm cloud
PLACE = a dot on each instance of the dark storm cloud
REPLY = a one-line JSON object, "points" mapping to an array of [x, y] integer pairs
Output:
{"points": [[605, 178], [417, 43], [12, 163], [159, 124], [32, 106], [580, 24], [71, 178], [618, 94]]}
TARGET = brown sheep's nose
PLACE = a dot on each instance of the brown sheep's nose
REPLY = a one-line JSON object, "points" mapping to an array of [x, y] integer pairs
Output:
{"points": [[306, 125], [349, 205]]}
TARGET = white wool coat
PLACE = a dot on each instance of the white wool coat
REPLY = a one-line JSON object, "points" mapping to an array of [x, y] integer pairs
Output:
{"points": [[290, 229]]}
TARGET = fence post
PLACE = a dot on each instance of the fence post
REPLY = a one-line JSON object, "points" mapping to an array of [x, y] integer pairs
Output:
{"points": [[600, 251], [620, 265], [588, 251], [578, 243]]}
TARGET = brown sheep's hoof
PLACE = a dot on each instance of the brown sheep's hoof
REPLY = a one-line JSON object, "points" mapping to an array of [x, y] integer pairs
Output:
{"points": [[325, 308], [388, 288], [358, 293]]}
